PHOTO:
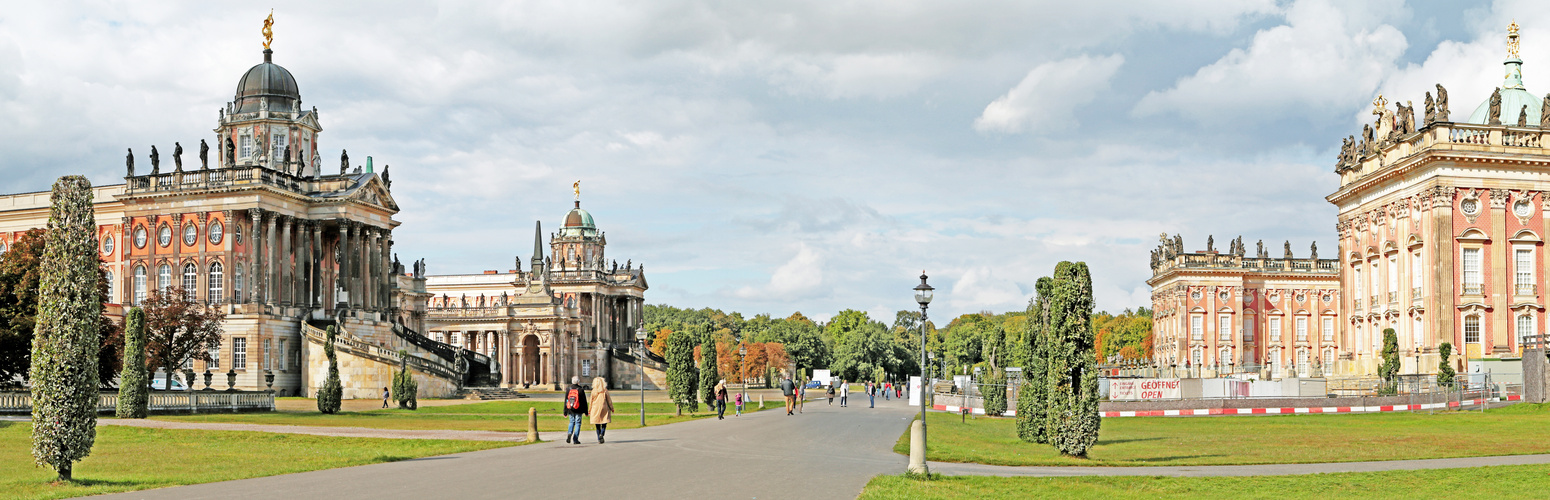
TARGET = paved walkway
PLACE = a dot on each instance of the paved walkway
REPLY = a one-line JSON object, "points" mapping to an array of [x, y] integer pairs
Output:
{"points": [[360, 432], [827, 452]]}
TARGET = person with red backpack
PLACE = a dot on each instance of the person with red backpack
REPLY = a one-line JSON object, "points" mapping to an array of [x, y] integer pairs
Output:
{"points": [[575, 408]]}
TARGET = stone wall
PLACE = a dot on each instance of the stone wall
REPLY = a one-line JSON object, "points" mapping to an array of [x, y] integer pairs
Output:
{"points": [[364, 377]]}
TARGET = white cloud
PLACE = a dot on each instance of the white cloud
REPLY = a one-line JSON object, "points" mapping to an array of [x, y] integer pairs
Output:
{"points": [[985, 288], [1048, 97], [801, 275], [1326, 58]]}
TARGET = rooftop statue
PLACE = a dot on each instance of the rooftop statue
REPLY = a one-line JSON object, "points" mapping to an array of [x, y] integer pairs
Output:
{"points": [[1288, 249], [1523, 116], [231, 153], [388, 181], [1260, 250], [1494, 115], [1314, 249], [1407, 118], [344, 161], [129, 160], [1442, 104], [1431, 110], [204, 155], [268, 33], [155, 161], [1210, 243], [177, 157]]}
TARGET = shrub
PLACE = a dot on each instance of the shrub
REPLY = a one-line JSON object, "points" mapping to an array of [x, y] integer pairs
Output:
{"points": [[1445, 366], [681, 376], [1389, 370], [66, 340], [1072, 419], [993, 387], [133, 385], [332, 392], [1031, 398], [404, 387]]}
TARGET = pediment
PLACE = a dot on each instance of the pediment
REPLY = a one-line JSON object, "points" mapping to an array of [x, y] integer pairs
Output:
{"points": [[374, 192]]}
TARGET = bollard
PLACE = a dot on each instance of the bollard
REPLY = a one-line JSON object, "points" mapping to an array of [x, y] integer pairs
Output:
{"points": [[917, 448], [532, 424], [761, 401]]}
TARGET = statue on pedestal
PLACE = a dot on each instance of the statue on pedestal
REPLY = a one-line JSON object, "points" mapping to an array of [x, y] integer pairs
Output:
{"points": [[129, 160], [344, 161], [231, 153], [204, 155], [177, 157], [1442, 104], [155, 161], [1494, 113]]}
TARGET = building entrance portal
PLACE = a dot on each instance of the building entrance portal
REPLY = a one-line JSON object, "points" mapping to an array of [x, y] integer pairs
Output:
{"points": [[529, 371]]}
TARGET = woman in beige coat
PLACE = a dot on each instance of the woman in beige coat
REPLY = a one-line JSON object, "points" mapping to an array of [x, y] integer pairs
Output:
{"points": [[601, 407]]}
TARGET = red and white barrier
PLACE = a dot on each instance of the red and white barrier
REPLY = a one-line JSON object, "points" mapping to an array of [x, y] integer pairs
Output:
{"points": [[1259, 411]]}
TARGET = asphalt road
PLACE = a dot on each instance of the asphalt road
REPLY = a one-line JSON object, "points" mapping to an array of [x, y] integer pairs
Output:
{"points": [[826, 452]]}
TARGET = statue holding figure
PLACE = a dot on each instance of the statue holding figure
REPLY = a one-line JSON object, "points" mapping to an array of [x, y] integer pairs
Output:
{"points": [[1442, 104], [1431, 110]]}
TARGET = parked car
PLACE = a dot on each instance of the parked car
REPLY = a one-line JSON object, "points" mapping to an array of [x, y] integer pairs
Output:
{"points": [[160, 384]]}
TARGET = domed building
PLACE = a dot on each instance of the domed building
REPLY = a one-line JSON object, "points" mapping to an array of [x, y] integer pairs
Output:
{"points": [[251, 223], [574, 313]]}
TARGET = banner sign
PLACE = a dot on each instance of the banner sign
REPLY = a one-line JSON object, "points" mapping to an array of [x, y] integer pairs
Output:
{"points": [[1144, 389]]}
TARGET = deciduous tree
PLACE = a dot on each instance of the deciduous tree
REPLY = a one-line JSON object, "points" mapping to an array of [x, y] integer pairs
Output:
{"points": [[179, 329], [20, 274], [66, 341]]}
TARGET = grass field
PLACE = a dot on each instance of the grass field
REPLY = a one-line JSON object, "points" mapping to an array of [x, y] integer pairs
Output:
{"points": [[1137, 441], [509, 416], [129, 458], [1516, 481]]}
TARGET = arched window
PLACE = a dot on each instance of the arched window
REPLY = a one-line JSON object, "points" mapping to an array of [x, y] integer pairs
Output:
{"points": [[1417, 331], [1302, 362], [236, 284], [111, 287], [1471, 329], [163, 277], [217, 283], [1525, 327], [139, 285], [1329, 359], [191, 281]]}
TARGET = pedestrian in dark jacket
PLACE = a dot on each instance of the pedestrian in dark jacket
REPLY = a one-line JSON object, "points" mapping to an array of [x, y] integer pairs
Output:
{"points": [[576, 409], [721, 400], [789, 389], [831, 395]]}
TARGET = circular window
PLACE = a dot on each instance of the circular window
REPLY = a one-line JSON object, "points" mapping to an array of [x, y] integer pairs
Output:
{"points": [[107, 245], [164, 236], [1470, 206], [215, 232], [236, 233], [1195, 295], [2, 247], [1302, 297], [1222, 296], [1328, 298], [1521, 208], [140, 237], [190, 234]]}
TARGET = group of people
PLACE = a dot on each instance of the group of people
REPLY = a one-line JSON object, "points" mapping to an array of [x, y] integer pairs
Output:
{"points": [[721, 401], [887, 389], [599, 409]]}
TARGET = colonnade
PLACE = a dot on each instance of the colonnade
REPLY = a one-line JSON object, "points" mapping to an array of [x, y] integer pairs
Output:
{"points": [[292, 262]]}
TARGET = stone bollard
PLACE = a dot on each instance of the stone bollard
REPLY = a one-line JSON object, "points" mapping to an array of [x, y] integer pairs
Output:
{"points": [[532, 424], [917, 448], [761, 401]]}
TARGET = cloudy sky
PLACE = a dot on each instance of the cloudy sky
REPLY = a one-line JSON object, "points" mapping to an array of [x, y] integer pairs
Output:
{"points": [[768, 157]]}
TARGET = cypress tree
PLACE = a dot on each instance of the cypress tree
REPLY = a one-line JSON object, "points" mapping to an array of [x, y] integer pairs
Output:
{"points": [[680, 371], [1389, 370], [332, 392], [133, 384], [66, 339], [708, 375], [405, 388], [1444, 367], [1031, 414], [1072, 420]]}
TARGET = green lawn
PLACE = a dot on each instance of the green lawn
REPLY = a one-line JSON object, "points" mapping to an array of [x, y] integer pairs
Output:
{"points": [[509, 416], [1136, 441], [1516, 481], [130, 458]]}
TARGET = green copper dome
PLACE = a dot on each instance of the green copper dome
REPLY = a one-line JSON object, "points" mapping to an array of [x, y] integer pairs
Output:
{"points": [[578, 223], [1514, 98]]}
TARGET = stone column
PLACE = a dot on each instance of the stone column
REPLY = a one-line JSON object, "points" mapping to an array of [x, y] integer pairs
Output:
{"points": [[126, 273], [342, 258], [229, 263], [506, 364], [271, 269], [373, 270], [315, 286], [357, 236], [389, 274], [202, 271], [287, 264], [255, 260], [177, 246]]}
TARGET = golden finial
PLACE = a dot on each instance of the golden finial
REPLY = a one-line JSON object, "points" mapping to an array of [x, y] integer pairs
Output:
{"points": [[577, 188], [1379, 103], [268, 33], [1512, 39]]}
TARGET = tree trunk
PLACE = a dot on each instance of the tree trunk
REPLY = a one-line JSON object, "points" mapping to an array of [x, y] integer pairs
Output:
{"points": [[64, 472]]}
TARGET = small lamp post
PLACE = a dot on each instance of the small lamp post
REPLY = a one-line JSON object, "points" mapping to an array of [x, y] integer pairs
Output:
{"points": [[640, 337], [742, 369], [923, 295]]}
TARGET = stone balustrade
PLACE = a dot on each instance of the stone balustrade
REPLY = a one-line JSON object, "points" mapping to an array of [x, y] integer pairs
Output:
{"points": [[162, 401]]}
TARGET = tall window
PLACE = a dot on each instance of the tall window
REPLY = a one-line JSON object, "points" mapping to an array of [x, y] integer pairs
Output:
{"points": [[279, 146], [1417, 331], [1327, 328], [266, 355], [239, 353], [112, 287], [1415, 273], [1224, 327], [1275, 328], [1302, 361], [163, 277], [1393, 276], [281, 353], [236, 284], [1373, 280], [247, 146], [1356, 282], [217, 283], [215, 356], [1472, 270], [454, 338], [1302, 328], [1195, 356], [1523, 275], [139, 285], [1329, 358], [1471, 329], [1525, 327], [1248, 331], [191, 281], [1196, 328]]}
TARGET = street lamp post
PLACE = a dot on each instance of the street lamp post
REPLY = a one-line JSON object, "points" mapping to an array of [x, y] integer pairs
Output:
{"points": [[923, 294], [742, 369], [640, 337]]}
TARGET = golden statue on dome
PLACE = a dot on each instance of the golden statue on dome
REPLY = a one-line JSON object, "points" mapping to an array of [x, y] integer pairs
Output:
{"points": [[268, 33], [1512, 39], [577, 188]]}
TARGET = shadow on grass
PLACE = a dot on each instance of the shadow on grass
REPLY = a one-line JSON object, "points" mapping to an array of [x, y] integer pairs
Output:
{"points": [[1123, 441], [1173, 458], [7, 423], [88, 482], [389, 458]]}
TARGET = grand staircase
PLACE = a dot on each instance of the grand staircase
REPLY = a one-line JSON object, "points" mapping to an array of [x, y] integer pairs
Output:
{"points": [[490, 393]]}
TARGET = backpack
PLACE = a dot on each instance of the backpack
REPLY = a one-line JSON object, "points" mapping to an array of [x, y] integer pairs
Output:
{"points": [[573, 399]]}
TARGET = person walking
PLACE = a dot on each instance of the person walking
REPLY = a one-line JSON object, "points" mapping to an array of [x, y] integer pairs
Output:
{"points": [[871, 395], [844, 393], [601, 408], [788, 389], [575, 408], [385, 396], [887, 390], [831, 395], [721, 400], [738, 400], [801, 397]]}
